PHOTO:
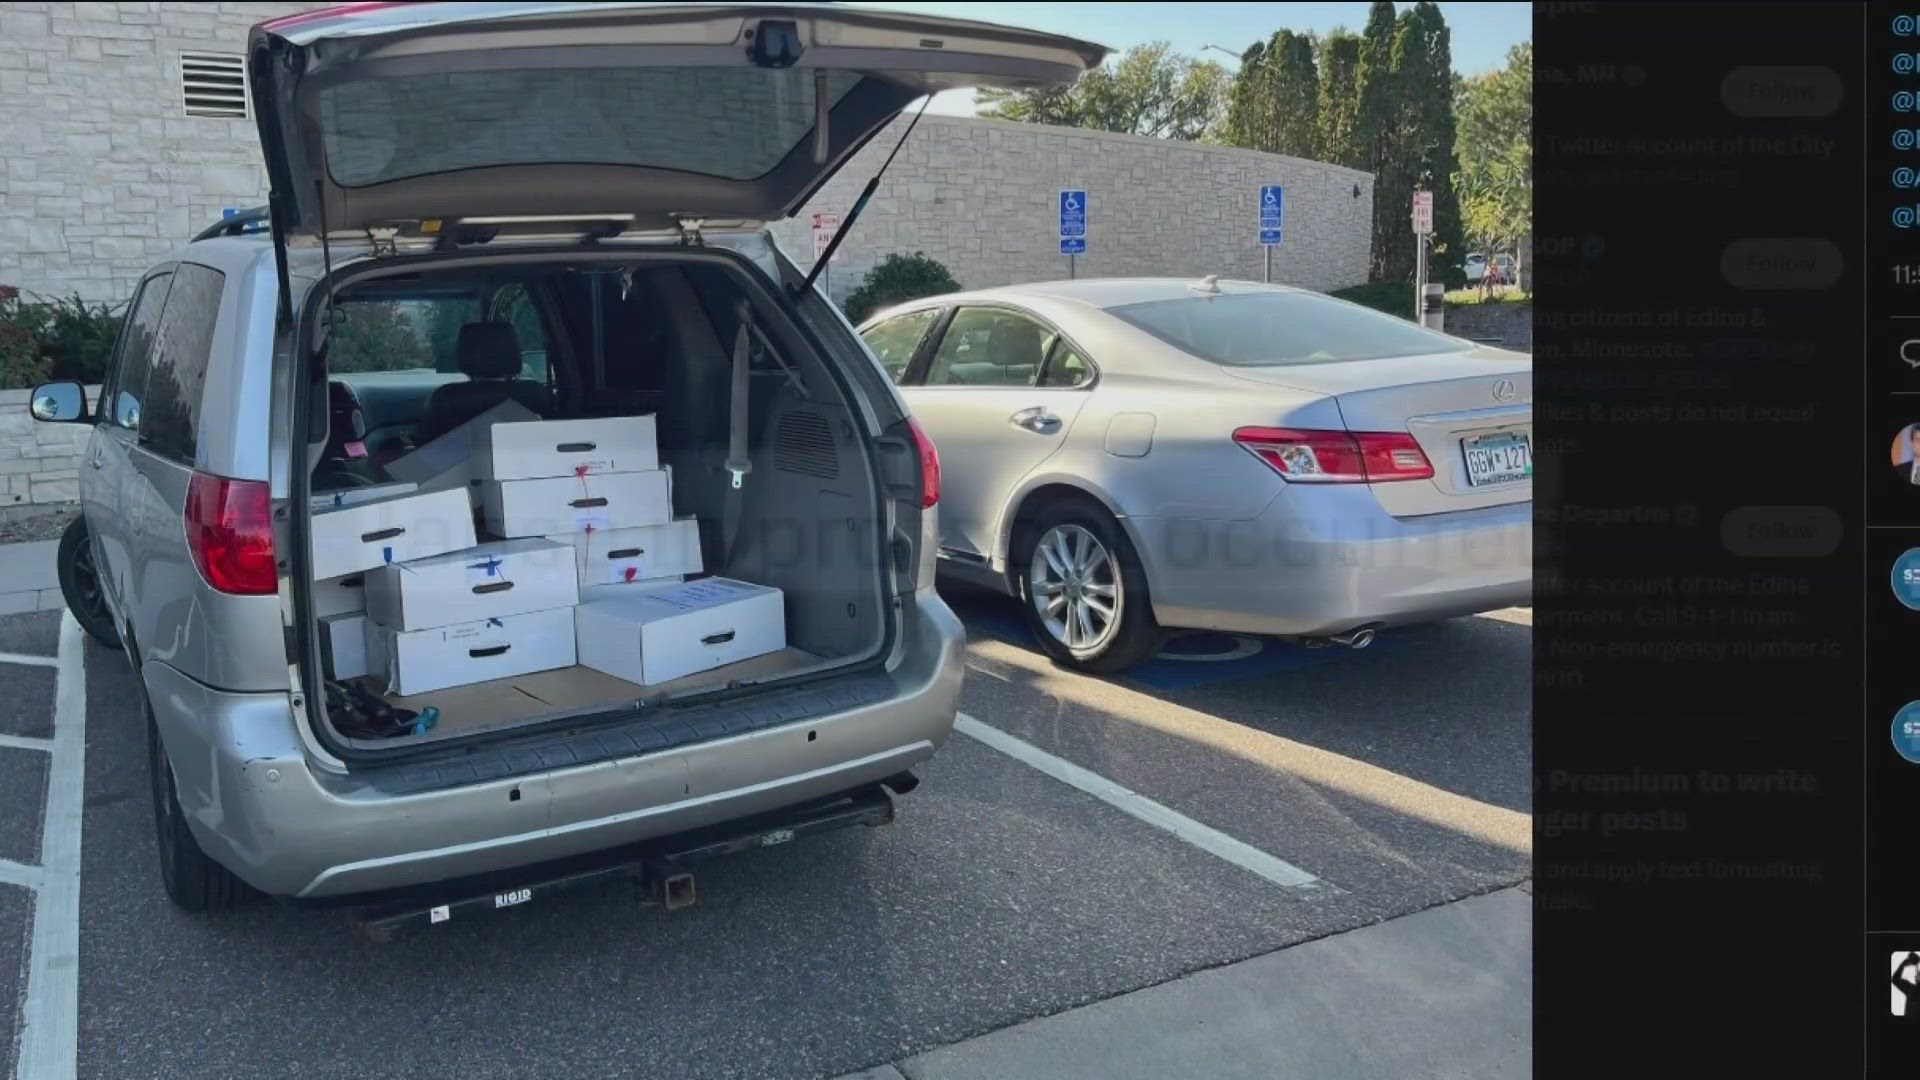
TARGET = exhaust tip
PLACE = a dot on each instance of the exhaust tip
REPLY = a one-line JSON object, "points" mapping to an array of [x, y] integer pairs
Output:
{"points": [[1354, 639]]}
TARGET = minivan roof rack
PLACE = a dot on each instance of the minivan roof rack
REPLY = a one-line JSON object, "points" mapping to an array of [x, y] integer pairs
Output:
{"points": [[245, 221]]}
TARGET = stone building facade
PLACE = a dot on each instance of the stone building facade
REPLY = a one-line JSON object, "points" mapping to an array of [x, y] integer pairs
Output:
{"points": [[105, 170]]}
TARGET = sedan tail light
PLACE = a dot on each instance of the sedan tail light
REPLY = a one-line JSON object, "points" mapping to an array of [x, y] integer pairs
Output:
{"points": [[230, 532], [1337, 457]]}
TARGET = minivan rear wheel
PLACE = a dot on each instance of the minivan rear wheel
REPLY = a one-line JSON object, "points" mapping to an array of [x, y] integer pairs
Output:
{"points": [[1084, 590], [80, 585], [192, 880]]}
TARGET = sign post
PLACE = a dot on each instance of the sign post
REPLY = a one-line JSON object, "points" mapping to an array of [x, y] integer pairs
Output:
{"points": [[1272, 203], [824, 226], [1422, 231], [1073, 225]]}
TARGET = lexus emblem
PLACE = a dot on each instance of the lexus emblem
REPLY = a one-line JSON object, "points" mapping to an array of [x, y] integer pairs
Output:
{"points": [[1503, 390]]}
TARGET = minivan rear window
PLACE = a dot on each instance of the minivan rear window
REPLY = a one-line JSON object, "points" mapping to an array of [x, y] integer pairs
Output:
{"points": [[733, 123], [1277, 328]]}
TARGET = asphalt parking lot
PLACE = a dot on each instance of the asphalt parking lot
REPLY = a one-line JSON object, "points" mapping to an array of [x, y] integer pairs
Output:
{"points": [[1388, 781]]}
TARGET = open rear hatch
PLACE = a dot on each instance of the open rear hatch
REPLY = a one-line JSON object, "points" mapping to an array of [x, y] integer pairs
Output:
{"points": [[388, 115]]}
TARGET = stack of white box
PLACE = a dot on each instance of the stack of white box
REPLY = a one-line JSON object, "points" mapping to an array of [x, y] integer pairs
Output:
{"points": [[590, 566], [596, 485]]}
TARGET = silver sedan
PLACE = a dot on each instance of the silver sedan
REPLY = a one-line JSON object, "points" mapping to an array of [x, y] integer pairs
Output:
{"points": [[1133, 454]]}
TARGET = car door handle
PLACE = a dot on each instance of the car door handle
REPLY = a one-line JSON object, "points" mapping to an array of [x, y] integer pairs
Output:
{"points": [[1037, 420]]}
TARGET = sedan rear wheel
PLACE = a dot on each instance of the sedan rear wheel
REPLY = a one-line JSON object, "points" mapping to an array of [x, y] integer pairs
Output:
{"points": [[1085, 592]]}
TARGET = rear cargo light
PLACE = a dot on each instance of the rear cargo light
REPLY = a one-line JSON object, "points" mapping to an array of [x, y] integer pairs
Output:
{"points": [[230, 532], [1337, 457], [929, 465]]}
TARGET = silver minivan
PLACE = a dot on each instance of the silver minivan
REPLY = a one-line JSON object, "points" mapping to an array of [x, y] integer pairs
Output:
{"points": [[563, 206]]}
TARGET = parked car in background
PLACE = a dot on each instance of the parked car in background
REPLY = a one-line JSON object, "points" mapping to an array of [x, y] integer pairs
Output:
{"points": [[1128, 455], [1502, 266]]}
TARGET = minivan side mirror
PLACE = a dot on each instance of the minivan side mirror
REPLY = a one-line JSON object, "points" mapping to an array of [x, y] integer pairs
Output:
{"points": [[59, 403]]}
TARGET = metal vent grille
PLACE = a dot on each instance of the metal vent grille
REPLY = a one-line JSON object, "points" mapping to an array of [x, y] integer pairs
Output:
{"points": [[214, 84], [803, 443]]}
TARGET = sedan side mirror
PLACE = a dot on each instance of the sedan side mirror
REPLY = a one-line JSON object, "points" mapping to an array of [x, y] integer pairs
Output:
{"points": [[59, 403]]}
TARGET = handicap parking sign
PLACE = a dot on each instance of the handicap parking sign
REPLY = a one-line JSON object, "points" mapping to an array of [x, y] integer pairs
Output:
{"points": [[1272, 206], [1073, 213], [1073, 245]]}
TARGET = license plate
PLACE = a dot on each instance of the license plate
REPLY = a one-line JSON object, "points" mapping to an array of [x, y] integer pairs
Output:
{"points": [[1500, 457]]}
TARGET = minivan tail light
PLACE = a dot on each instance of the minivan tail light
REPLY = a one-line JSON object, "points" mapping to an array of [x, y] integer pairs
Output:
{"points": [[230, 532], [1337, 457], [929, 464]]}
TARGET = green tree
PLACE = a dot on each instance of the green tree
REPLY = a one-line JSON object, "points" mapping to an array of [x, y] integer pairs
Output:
{"points": [[1376, 114], [1338, 111], [1150, 91], [1273, 103], [1494, 148], [375, 335], [1405, 123], [897, 279]]}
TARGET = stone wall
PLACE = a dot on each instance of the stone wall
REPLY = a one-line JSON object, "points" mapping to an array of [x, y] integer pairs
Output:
{"points": [[104, 173], [39, 463], [982, 196]]}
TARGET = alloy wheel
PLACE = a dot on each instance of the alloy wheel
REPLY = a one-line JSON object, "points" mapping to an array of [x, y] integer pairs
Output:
{"points": [[1074, 585]]}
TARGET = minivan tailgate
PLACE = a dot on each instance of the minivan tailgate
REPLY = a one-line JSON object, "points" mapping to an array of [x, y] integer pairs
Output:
{"points": [[386, 114]]}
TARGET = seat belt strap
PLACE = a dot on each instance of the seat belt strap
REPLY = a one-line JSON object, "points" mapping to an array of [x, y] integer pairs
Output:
{"points": [[739, 462]]}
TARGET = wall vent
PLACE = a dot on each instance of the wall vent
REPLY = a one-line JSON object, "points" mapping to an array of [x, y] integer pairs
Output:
{"points": [[803, 443], [214, 84]]}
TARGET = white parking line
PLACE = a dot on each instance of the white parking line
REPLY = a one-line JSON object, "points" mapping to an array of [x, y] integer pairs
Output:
{"points": [[26, 742], [1204, 837], [28, 658], [21, 874], [49, 1030]]}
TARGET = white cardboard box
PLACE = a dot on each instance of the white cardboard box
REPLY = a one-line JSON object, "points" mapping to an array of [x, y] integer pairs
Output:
{"points": [[420, 661], [389, 531], [619, 556], [446, 462], [590, 593], [333, 500], [505, 577], [567, 504], [531, 449], [665, 633], [343, 595], [343, 642]]}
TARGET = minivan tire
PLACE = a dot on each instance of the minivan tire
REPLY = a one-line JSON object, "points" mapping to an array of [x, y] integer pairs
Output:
{"points": [[194, 882], [80, 585], [1138, 636]]}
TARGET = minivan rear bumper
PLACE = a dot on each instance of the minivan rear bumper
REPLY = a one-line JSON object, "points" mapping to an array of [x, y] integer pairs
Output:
{"points": [[287, 829]]}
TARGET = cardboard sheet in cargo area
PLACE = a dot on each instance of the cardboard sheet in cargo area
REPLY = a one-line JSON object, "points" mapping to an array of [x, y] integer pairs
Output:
{"points": [[465, 710]]}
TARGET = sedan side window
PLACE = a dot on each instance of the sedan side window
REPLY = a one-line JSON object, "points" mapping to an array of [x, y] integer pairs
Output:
{"points": [[989, 347], [896, 340], [135, 363], [1066, 368]]}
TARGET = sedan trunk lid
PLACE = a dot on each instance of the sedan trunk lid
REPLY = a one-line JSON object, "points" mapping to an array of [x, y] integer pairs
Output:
{"points": [[1470, 411]]}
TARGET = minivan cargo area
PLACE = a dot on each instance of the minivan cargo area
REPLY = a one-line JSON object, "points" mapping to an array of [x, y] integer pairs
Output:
{"points": [[522, 504]]}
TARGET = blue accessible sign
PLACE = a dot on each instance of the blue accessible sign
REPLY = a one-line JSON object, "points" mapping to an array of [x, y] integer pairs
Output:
{"points": [[1073, 213], [1073, 245], [1272, 205]]}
